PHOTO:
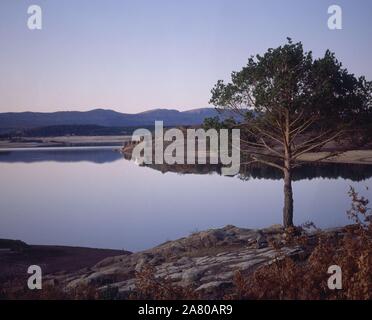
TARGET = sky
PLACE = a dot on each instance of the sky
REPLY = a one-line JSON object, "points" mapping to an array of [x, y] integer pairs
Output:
{"points": [[136, 55]]}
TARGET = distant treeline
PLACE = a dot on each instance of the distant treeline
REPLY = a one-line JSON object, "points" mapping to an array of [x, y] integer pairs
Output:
{"points": [[66, 130]]}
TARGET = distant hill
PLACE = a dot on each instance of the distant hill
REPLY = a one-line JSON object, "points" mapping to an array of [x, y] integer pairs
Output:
{"points": [[101, 117]]}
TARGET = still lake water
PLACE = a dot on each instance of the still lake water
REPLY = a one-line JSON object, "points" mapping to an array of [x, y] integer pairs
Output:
{"points": [[94, 197]]}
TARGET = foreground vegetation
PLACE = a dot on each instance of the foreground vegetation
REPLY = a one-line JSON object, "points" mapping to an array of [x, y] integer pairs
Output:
{"points": [[289, 278]]}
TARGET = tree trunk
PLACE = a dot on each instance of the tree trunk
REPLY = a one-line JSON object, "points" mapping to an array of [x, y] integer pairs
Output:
{"points": [[288, 199]]}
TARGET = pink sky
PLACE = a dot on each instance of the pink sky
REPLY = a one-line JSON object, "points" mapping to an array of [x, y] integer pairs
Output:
{"points": [[132, 56]]}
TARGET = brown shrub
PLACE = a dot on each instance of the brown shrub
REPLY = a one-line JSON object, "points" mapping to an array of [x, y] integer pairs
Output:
{"points": [[150, 288], [17, 290], [289, 279]]}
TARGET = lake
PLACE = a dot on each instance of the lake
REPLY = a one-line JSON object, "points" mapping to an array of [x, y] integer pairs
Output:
{"points": [[93, 197]]}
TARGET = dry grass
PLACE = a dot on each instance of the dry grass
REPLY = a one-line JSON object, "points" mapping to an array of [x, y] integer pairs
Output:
{"points": [[150, 288]]}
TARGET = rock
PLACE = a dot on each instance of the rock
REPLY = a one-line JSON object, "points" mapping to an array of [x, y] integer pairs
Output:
{"points": [[220, 276], [76, 283], [192, 274], [228, 227], [175, 276], [175, 248], [127, 289], [211, 237], [184, 260], [206, 260], [201, 260], [139, 266], [111, 260], [101, 277], [274, 228], [247, 264], [261, 241], [156, 260], [214, 285], [126, 286], [142, 261]]}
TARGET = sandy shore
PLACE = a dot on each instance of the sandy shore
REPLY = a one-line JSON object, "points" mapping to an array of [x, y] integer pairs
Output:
{"points": [[64, 141], [352, 157]]}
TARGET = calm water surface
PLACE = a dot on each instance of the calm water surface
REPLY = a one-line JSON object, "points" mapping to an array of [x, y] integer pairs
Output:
{"points": [[93, 197]]}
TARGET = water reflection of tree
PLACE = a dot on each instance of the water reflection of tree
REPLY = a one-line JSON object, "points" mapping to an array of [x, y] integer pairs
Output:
{"points": [[354, 172]]}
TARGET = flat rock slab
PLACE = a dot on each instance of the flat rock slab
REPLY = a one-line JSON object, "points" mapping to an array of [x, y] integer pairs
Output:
{"points": [[206, 260]]}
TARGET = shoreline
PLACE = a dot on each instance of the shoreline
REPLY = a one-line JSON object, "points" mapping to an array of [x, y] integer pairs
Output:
{"points": [[357, 156], [16, 256], [347, 157], [64, 141]]}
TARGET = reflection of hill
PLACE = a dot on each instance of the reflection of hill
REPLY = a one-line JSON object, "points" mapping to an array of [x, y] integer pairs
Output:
{"points": [[94, 155]]}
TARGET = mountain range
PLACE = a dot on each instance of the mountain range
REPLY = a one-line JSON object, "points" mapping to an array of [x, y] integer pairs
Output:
{"points": [[103, 117]]}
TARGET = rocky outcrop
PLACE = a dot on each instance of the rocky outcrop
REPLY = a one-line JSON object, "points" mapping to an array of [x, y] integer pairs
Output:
{"points": [[206, 260]]}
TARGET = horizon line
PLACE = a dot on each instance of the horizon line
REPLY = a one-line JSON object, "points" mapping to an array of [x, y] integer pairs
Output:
{"points": [[106, 109]]}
